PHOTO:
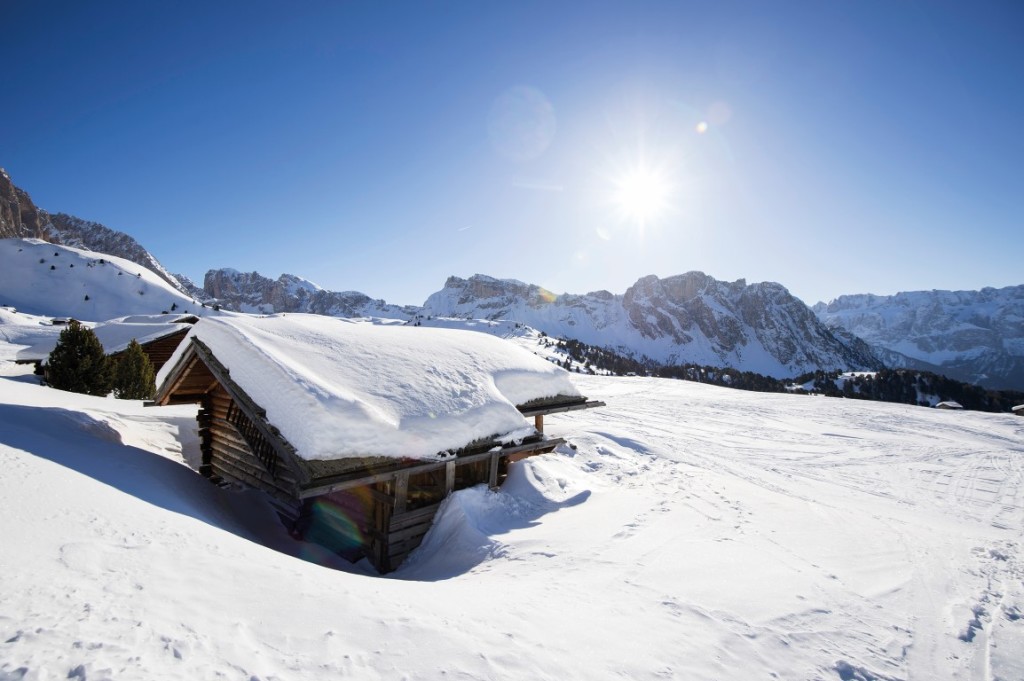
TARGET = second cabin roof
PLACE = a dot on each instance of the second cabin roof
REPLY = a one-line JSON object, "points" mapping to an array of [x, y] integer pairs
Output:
{"points": [[339, 388]]}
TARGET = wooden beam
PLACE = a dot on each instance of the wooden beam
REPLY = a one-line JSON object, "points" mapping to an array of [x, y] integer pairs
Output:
{"points": [[348, 482], [401, 492], [557, 409], [449, 477], [492, 471], [538, 422]]}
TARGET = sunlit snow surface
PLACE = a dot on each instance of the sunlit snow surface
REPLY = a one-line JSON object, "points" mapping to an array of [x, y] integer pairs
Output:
{"points": [[41, 278], [695, 533]]}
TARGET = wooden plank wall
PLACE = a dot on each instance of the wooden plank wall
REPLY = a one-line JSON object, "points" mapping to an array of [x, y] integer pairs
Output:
{"points": [[231, 457], [160, 350]]}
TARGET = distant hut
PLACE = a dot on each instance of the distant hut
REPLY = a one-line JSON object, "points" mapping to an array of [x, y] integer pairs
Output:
{"points": [[159, 336], [1019, 410], [949, 404], [356, 431]]}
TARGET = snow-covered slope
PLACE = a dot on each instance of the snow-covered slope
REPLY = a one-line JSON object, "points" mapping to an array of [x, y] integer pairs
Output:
{"points": [[42, 278], [694, 533], [21, 218], [687, 318], [92, 236], [252, 292], [974, 336]]}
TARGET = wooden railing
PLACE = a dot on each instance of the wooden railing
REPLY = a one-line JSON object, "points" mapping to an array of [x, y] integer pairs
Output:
{"points": [[263, 450]]}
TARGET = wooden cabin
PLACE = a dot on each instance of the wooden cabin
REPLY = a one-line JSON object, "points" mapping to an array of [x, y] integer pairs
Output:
{"points": [[159, 337], [1019, 410], [159, 349], [949, 404], [366, 505]]}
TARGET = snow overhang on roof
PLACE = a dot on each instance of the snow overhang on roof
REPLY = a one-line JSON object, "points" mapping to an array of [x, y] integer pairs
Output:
{"points": [[340, 388]]}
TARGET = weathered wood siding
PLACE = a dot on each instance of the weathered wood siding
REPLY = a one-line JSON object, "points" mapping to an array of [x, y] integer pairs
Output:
{"points": [[229, 445]]}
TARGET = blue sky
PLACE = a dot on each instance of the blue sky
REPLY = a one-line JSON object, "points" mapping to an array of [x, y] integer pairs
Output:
{"points": [[834, 147]]}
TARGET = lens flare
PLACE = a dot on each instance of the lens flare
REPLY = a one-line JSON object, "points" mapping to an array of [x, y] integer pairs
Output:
{"points": [[546, 296], [336, 520]]}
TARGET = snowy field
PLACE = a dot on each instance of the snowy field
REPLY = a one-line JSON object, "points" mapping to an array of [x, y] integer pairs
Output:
{"points": [[694, 533]]}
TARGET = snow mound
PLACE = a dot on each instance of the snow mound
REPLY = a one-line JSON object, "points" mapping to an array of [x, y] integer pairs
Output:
{"points": [[467, 526]]}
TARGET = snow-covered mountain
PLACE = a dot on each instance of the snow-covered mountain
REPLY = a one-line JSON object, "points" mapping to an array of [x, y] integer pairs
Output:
{"points": [[973, 336], [252, 292], [690, 317], [21, 218]]}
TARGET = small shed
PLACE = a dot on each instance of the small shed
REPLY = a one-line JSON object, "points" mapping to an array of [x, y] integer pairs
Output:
{"points": [[949, 404], [1019, 410], [358, 431], [159, 336]]}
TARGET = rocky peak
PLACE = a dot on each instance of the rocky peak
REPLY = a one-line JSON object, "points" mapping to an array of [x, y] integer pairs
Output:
{"points": [[252, 292], [19, 216], [690, 317]]}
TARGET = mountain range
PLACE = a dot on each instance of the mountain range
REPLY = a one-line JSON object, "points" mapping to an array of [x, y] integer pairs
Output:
{"points": [[976, 336]]}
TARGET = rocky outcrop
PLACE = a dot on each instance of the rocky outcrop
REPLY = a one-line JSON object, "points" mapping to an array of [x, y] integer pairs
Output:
{"points": [[19, 217], [252, 292]]}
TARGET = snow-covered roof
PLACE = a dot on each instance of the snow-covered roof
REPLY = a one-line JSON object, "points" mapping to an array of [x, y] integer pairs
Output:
{"points": [[949, 404], [114, 336], [1019, 409], [339, 388]]}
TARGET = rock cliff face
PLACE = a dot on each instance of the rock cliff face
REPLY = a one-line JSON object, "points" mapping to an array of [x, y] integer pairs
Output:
{"points": [[252, 292], [19, 217], [973, 336], [686, 318]]}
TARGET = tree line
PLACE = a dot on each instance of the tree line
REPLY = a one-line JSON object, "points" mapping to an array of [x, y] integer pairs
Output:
{"points": [[903, 386]]}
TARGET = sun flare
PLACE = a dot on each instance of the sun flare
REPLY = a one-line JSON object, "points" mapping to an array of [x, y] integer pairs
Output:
{"points": [[642, 194]]}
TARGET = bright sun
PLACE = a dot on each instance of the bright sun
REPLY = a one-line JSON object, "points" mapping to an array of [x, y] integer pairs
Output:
{"points": [[642, 194]]}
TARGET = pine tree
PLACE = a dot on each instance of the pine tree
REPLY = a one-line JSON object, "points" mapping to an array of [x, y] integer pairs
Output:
{"points": [[133, 374], [78, 363]]}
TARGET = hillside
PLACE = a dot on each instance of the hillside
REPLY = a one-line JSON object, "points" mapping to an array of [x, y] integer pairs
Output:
{"points": [[42, 278], [21, 218], [693, 532]]}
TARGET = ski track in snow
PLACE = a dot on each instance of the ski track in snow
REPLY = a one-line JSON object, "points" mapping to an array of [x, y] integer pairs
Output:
{"points": [[694, 533]]}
